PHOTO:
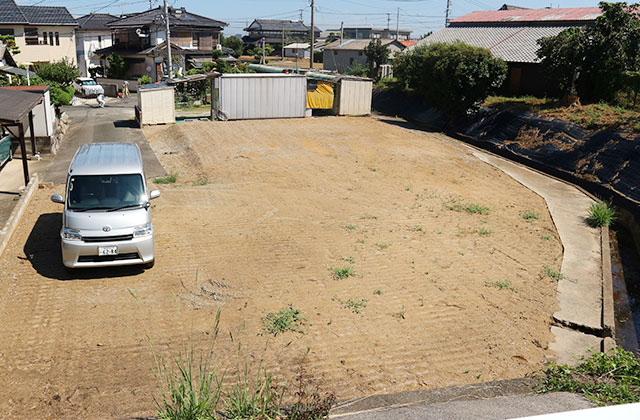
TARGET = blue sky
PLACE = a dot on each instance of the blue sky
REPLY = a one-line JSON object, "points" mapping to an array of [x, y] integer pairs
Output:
{"points": [[420, 16]]}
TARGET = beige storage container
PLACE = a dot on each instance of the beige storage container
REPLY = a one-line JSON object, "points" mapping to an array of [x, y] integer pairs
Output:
{"points": [[156, 105]]}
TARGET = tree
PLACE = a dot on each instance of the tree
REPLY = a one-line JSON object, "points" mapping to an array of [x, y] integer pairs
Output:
{"points": [[117, 66], [63, 72], [563, 57], [377, 55], [596, 57], [455, 77], [10, 42], [257, 51], [234, 43]]}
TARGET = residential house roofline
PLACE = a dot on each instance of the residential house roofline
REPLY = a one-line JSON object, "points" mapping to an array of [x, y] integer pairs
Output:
{"points": [[12, 14], [179, 17]]}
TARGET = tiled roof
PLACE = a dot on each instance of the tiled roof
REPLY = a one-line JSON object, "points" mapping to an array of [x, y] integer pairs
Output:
{"points": [[177, 17], [516, 44], [47, 15], [408, 43], [10, 13], [95, 21], [5, 55], [530, 15], [277, 25]]}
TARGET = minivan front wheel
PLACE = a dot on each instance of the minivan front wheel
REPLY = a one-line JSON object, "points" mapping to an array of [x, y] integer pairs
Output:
{"points": [[149, 265]]}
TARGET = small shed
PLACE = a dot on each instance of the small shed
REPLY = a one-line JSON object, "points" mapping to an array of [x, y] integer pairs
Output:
{"points": [[353, 96], [259, 95], [16, 110], [297, 49], [155, 104]]}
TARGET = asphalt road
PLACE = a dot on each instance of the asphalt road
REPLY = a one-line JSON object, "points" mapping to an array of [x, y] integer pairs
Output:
{"points": [[92, 124]]}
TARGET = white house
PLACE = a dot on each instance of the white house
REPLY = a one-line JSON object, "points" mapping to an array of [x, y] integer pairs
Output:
{"points": [[297, 49], [92, 34]]}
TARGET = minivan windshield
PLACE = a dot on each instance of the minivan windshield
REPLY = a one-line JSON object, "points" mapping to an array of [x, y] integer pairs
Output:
{"points": [[105, 192]]}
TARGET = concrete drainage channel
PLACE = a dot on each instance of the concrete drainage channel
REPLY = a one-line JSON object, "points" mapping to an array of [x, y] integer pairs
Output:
{"points": [[585, 320]]}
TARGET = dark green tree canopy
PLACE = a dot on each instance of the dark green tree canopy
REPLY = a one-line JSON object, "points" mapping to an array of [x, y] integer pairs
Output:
{"points": [[377, 55], [62, 72], [454, 77]]}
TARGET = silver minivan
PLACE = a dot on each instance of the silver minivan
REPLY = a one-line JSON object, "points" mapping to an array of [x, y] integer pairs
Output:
{"points": [[107, 216]]}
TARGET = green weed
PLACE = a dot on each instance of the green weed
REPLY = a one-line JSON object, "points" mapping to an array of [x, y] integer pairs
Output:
{"points": [[349, 259], [288, 319], [471, 208], [530, 216], [351, 227], [506, 284], [484, 232], [400, 314], [200, 181], [377, 292], [550, 272], [546, 237], [169, 179], [354, 305], [383, 245], [246, 400], [604, 378], [342, 272], [601, 213]]}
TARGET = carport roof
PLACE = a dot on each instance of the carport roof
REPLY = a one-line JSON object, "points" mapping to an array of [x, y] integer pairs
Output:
{"points": [[15, 105]]}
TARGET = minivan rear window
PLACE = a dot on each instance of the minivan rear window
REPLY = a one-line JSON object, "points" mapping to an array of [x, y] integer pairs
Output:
{"points": [[104, 192]]}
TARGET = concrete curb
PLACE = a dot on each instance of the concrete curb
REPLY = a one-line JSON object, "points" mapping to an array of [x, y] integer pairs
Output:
{"points": [[608, 318], [456, 393], [16, 214]]}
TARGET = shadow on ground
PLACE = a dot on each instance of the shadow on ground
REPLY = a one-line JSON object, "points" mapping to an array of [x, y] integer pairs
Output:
{"points": [[126, 124], [42, 250]]}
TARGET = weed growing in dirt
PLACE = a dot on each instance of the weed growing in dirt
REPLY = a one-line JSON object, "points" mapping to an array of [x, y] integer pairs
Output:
{"points": [[506, 284], [530, 216], [604, 378], [471, 208], [349, 259], [184, 396], [248, 401], [484, 232], [288, 319], [601, 214], [400, 314], [342, 272], [417, 229], [550, 272], [309, 406], [377, 292], [382, 245], [373, 169], [546, 237], [169, 179], [200, 182], [368, 217], [354, 305], [360, 241], [351, 227]]}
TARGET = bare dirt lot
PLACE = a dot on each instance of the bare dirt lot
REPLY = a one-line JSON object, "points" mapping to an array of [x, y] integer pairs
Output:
{"points": [[263, 211]]}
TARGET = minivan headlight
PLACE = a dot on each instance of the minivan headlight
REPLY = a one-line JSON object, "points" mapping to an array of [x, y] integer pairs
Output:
{"points": [[143, 230], [71, 234]]}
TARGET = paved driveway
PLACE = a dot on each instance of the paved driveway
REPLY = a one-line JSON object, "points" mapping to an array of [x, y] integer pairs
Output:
{"points": [[91, 124]]}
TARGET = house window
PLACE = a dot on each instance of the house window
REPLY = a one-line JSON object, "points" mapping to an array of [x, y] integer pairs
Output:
{"points": [[31, 36], [359, 52], [44, 38], [335, 52], [195, 40], [350, 60], [99, 40], [57, 38], [6, 31], [50, 38]]}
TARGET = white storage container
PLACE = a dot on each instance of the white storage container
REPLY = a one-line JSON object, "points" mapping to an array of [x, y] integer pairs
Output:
{"points": [[353, 97], [260, 95], [156, 105]]}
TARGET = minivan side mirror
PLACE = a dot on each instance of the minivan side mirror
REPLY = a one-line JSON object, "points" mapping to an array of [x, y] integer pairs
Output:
{"points": [[154, 194], [57, 198]]}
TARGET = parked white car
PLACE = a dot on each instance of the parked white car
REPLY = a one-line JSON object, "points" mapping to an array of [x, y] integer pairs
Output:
{"points": [[87, 87]]}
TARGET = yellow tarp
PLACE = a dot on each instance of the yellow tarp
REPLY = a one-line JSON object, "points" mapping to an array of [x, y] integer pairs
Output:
{"points": [[322, 97]]}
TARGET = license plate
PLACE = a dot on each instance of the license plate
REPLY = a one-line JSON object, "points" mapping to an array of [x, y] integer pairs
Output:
{"points": [[107, 250]]}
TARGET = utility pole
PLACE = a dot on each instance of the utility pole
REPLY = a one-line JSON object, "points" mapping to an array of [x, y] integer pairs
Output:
{"points": [[301, 17], [313, 32], [446, 16], [264, 51], [398, 25], [282, 49], [150, 4], [166, 18], [388, 20], [341, 32]]}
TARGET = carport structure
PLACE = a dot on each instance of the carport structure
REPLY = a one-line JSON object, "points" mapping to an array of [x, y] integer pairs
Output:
{"points": [[16, 109]]}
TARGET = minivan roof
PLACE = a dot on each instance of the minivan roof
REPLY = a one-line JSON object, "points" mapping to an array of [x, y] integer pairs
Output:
{"points": [[106, 159]]}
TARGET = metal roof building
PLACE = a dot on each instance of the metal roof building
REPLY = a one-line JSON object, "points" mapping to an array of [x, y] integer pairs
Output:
{"points": [[512, 34]]}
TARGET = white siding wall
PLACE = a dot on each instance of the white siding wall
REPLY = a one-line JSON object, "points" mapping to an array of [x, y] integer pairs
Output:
{"points": [[355, 97], [43, 115], [157, 105], [254, 96], [87, 43]]}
